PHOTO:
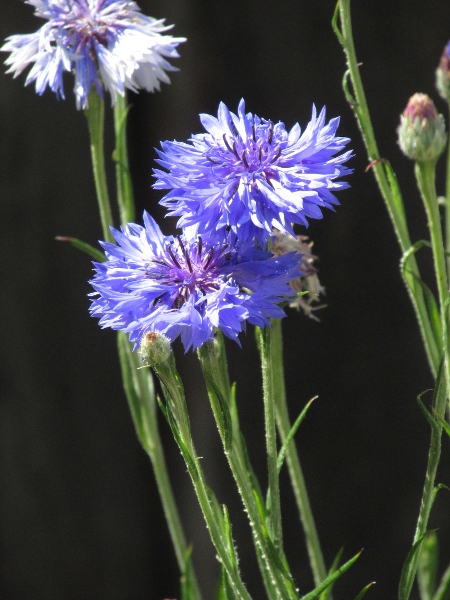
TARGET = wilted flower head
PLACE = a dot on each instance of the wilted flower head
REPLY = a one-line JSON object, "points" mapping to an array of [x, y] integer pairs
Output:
{"points": [[105, 43], [421, 134], [251, 175], [308, 280], [187, 287], [443, 74]]}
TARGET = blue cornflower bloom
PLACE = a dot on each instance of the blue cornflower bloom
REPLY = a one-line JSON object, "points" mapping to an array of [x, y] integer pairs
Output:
{"points": [[188, 287], [105, 43], [251, 175]]}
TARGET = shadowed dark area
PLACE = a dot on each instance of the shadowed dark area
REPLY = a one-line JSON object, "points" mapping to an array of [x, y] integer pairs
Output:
{"points": [[80, 517]]}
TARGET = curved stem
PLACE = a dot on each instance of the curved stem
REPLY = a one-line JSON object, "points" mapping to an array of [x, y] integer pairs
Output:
{"points": [[389, 189], [295, 471], [95, 115]]}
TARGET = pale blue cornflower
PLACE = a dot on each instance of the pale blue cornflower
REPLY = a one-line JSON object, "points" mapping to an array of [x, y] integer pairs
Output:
{"points": [[188, 287], [108, 44], [250, 175]]}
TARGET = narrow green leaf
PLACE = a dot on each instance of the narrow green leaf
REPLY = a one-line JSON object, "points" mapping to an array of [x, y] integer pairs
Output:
{"points": [[433, 310], [229, 537], [97, 255], [395, 189], [314, 594], [326, 594], [224, 409], [188, 591], [224, 591], [443, 591], [289, 437], [445, 426], [335, 24], [362, 593], [427, 568], [409, 560], [188, 459], [429, 417]]}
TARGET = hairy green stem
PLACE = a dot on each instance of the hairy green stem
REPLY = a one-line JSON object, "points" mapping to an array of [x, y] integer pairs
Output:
{"points": [[176, 404], [138, 384], [447, 207], [217, 384], [429, 490], [389, 189], [95, 115], [271, 433], [140, 393], [295, 471], [425, 175], [125, 197]]}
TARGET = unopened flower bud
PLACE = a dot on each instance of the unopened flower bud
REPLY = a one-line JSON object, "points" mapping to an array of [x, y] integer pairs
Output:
{"points": [[155, 348], [421, 134], [443, 74]]}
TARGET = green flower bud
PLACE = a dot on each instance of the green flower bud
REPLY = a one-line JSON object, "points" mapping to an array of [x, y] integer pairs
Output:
{"points": [[421, 134], [155, 348], [443, 74]]}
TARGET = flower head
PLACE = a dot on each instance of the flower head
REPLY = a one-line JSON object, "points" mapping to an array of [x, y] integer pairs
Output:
{"points": [[443, 74], [249, 175], [421, 134], [306, 285], [187, 287], [105, 43]]}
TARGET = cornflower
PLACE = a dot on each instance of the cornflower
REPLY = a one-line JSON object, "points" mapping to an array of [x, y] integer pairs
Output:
{"points": [[250, 175], [107, 44], [186, 286]]}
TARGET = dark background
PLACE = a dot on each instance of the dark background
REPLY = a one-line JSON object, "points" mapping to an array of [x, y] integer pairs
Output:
{"points": [[80, 517]]}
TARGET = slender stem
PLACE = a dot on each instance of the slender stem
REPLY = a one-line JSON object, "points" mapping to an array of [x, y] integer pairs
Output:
{"points": [[216, 382], [174, 393], [392, 201], [95, 115], [138, 385], [447, 207], [428, 493], [298, 482], [271, 432], [125, 197], [140, 393], [425, 175]]}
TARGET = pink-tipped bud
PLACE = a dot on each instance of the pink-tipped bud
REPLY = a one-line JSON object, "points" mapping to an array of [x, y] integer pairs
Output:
{"points": [[443, 74], [421, 134]]}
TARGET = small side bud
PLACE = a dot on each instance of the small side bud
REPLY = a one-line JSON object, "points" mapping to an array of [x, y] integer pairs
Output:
{"points": [[443, 74], [421, 134], [155, 348]]}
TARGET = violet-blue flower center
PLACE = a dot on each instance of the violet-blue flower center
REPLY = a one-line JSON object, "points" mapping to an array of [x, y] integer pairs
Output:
{"points": [[250, 158], [190, 269], [84, 23]]}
